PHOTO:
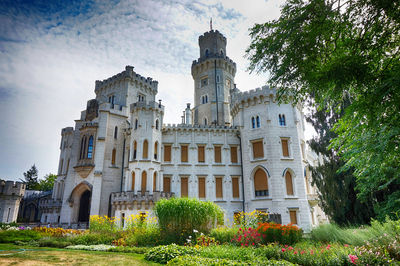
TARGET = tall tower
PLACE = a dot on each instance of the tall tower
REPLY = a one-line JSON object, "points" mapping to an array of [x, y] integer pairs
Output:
{"points": [[213, 74]]}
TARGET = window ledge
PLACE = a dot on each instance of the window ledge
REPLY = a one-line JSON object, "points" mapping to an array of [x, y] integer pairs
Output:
{"points": [[167, 164], [144, 160], [291, 197], [236, 200], [201, 164], [220, 201], [261, 198], [133, 161], [234, 164], [287, 158], [258, 160], [113, 166], [184, 164], [218, 164]]}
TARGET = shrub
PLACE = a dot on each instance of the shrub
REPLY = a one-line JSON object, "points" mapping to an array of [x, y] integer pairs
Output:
{"points": [[57, 232], [5, 226], [163, 254], [138, 250], [144, 236], [246, 237], [284, 234], [223, 234], [188, 260], [178, 217], [10, 236], [92, 239], [54, 242], [103, 224]]}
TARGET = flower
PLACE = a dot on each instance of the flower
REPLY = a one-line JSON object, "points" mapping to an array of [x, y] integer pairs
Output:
{"points": [[353, 258], [195, 231], [283, 250]]}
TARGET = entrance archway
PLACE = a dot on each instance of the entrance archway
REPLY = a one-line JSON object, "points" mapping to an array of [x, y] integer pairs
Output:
{"points": [[84, 207]]}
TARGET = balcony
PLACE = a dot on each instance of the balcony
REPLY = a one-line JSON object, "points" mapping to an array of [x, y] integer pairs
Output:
{"points": [[84, 167], [129, 199], [312, 199]]}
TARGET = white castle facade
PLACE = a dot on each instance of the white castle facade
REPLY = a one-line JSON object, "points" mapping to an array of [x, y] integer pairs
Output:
{"points": [[240, 150]]}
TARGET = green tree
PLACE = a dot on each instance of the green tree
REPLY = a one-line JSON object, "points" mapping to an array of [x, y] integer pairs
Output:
{"points": [[336, 189], [47, 182], [337, 50], [31, 178]]}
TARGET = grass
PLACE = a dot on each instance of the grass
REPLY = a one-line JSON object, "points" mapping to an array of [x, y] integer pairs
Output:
{"points": [[51, 256]]}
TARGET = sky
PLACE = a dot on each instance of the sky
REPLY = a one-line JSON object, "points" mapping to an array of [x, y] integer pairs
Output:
{"points": [[51, 53]]}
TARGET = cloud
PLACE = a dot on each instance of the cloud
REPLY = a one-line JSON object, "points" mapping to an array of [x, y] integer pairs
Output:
{"points": [[51, 53]]}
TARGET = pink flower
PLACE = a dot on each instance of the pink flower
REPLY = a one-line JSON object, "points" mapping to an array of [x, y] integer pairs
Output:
{"points": [[312, 252], [295, 252], [290, 248], [345, 245], [328, 247], [353, 258], [286, 246], [246, 244], [283, 250], [302, 252]]}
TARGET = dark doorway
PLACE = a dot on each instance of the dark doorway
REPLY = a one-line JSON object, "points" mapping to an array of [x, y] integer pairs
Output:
{"points": [[84, 207]]}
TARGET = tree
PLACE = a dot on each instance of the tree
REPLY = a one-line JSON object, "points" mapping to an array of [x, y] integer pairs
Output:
{"points": [[337, 50], [336, 189], [47, 182], [31, 178]]}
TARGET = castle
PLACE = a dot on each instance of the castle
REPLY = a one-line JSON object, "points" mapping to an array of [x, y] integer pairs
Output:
{"points": [[241, 150], [11, 194]]}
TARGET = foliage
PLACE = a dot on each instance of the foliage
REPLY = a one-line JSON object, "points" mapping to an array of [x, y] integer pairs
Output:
{"points": [[92, 247], [103, 224], [138, 250], [189, 260], [57, 242], [163, 254], [250, 219], [178, 217], [336, 51], [57, 232], [5, 226], [223, 234], [47, 183], [336, 190], [10, 236], [247, 237], [205, 241], [144, 236], [284, 234], [93, 239], [139, 220], [31, 178]]}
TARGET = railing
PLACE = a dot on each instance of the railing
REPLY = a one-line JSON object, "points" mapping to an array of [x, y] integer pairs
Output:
{"points": [[131, 196]]}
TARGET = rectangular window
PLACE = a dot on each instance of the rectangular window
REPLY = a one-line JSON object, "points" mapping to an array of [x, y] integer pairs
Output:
{"points": [[167, 153], [167, 184], [293, 216], [258, 149], [218, 188], [234, 157], [201, 154], [285, 147], [303, 154], [217, 154], [202, 187], [235, 187], [184, 187], [184, 153]]}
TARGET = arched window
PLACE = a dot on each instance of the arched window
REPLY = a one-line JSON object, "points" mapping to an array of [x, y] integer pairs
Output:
{"points": [[81, 150], [258, 121], [207, 52], [205, 121], [202, 99], [282, 121], [61, 167], [136, 123], [157, 124], [145, 149], [206, 99], [115, 132], [113, 155], [156, 150], [134, 150], [261, 183], [222, 52], [144, 181], [90, 148], [289, 184], [133, 181], [253, 122], [155, 181]]}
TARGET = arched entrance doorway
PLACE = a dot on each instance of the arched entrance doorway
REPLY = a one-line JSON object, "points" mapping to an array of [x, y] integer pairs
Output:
{"points": [[84, 207], [80, 202]]}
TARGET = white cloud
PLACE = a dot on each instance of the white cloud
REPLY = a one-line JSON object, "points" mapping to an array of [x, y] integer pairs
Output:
{"points": [[50, 61]]}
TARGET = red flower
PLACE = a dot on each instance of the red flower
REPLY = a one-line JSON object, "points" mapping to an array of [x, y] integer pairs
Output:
{"points": [[283, 250]]}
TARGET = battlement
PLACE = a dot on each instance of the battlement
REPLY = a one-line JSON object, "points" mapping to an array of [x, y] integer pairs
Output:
{"points": [[127, 74], [213, 56], [238, 96], [67, 130], [113, 108], [185, 127], [147, 105], [212, 34], [11, 188]]}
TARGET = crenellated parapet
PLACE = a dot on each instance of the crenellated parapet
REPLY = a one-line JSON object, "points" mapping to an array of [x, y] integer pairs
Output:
{"points": [[207, 63], [248, 98], [150, 106], [67, 130], [197, 127], [128, 75], [11, 188]]}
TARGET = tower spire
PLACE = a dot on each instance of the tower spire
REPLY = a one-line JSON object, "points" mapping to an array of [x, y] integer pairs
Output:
{"points": [[210, 23]]}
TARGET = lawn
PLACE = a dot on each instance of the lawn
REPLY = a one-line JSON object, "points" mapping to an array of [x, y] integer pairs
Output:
{"points": [[50, 256]]}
